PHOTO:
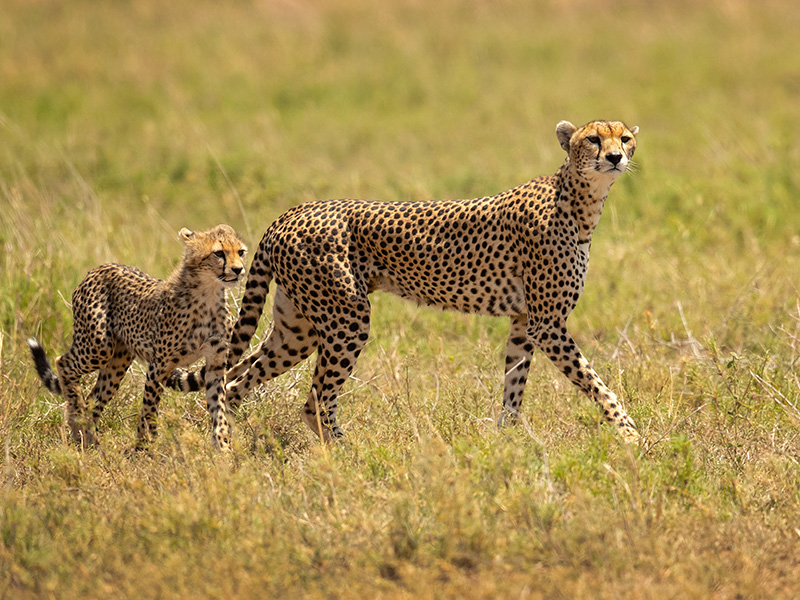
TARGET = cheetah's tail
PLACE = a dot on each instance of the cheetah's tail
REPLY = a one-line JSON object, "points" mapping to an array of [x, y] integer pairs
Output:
{"points": [[255, 296], [46, 373]]}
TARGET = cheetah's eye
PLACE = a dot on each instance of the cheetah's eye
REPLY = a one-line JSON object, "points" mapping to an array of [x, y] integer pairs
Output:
{"points": [[594, 139], [625, 139], [219, 254], [241, 252]]}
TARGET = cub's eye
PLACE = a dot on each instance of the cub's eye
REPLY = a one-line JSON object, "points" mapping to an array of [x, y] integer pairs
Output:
{"points": [[241, 252], [219, 254], [625, 139], [594, 139]]}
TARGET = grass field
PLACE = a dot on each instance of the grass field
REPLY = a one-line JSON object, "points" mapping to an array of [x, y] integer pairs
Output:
{"points": [[121, 122]]}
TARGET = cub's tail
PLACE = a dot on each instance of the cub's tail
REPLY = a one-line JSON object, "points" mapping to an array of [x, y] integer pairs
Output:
{"points": [[46, 373], [187, 381]]}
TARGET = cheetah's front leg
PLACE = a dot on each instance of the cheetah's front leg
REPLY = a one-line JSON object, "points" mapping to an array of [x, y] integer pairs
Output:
{"points": [[518, 361], [560, 348]]}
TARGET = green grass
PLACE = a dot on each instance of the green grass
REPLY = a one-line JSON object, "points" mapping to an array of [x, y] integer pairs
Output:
{"points": [[120, 123]]}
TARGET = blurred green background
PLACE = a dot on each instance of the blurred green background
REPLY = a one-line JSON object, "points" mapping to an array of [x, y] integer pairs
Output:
{"points": [[121, 122], [125, 121]]}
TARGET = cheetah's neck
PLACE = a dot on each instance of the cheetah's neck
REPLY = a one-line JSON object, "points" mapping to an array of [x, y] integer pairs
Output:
{"points": [[189, 288], [583, 197]]}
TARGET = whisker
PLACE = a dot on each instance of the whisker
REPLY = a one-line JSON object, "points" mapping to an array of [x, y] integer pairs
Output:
{"points": [[588, 170]]}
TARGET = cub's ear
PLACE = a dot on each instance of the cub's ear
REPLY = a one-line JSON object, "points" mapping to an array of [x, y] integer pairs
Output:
{"points": [[634, 130], [185, 234], [564, 131]]}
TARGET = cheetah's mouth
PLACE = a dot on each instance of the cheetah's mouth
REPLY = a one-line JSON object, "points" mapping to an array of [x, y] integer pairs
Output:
{"points": [[610, 168], [229, 281]]}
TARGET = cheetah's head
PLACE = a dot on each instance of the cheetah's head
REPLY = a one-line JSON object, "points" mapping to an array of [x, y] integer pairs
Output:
{"points": [[600, 149], [216, 255]]}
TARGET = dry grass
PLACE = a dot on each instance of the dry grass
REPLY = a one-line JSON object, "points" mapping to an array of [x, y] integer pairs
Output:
{"points": [[120, 123]]}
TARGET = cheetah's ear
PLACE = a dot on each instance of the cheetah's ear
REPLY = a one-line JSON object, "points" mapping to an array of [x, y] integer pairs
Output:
{"points": [[634, 130], [186, 234], [564, 131]]}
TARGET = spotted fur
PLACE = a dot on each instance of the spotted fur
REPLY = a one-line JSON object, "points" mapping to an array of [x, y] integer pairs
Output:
{"points": [[121, 313], [521, 254]]}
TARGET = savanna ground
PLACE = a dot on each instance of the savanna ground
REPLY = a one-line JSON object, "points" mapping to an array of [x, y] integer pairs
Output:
{"points": [[121, 122]]}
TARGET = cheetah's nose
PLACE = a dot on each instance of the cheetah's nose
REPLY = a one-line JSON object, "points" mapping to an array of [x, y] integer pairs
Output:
{"points": [[237, 270], [614, 157]]}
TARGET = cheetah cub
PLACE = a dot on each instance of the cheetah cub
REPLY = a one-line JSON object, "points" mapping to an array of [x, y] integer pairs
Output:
{"points": [[121, 313]]}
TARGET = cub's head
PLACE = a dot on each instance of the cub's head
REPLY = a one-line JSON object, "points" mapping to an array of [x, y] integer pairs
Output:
{"points": [[216, 255], [599, 148]]}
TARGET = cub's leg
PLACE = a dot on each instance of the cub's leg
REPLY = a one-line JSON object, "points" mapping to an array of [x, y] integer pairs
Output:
{"points": [[560, 348], [157, 372], [519, 352], [291, 340], [108, 380], [71, 368], [91, 349]]}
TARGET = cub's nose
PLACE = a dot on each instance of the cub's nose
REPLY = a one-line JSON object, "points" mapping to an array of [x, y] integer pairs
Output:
{"points": [[614, 157], [238, 270]]}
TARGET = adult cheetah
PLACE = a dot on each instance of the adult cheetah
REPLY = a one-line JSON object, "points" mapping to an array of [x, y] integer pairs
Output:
{"points": [[121, 313], [521, 254]]}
